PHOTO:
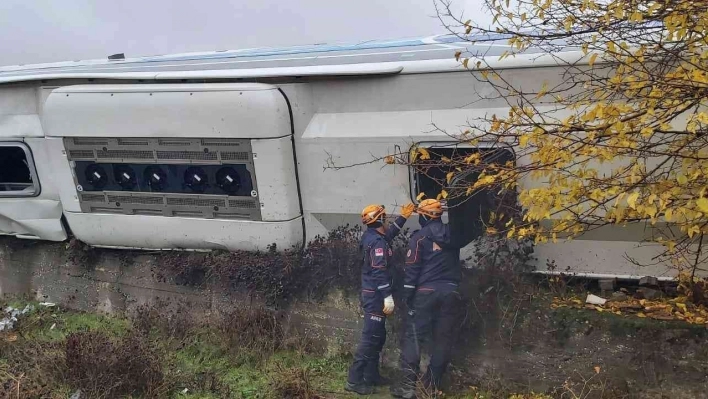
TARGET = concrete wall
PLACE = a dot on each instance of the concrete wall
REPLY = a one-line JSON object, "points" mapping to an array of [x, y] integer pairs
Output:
{"points": [[118, 281]]}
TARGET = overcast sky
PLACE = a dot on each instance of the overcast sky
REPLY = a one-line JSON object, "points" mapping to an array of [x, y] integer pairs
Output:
{"points": [[36, 31]]}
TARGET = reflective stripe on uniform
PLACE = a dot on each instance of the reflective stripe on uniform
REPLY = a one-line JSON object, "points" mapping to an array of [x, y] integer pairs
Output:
{"points": [[384, 286], [417, 248], [409, 286]]}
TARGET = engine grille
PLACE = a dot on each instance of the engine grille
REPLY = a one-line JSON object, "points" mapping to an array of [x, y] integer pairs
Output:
{"points": [[172, 155]]}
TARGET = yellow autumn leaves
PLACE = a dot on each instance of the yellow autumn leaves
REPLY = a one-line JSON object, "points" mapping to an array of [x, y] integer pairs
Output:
{"points": [[679, 308], [621, 142], [618, 141], [702, 204]]}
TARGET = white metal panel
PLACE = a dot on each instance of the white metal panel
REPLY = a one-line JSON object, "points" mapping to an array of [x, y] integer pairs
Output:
{"points": [[20, 126], [43, 93], [18, 113], [432, 91], [18, 101], [399, 126], [350, 189], [61, 173], [603, 257], [35, 217], [155, 232], [185, 110], [275, 174]]}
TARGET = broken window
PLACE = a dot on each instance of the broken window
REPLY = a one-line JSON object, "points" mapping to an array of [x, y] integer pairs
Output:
{"points": [[467, 212], [18, 177]]}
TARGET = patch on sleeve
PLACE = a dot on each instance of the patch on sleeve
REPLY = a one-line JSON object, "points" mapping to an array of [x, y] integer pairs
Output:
{"points": [[379, 252]]}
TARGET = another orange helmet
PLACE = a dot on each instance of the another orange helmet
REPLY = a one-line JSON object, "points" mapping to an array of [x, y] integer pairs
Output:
{"points": [[372, 214], [431, 208]]}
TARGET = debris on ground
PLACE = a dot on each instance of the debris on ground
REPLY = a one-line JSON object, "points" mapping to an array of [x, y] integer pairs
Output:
{"points": [[678, 308], [7, 323], [607, 284], [618, 296], [648, 281], [595, 300], [649, 293]]}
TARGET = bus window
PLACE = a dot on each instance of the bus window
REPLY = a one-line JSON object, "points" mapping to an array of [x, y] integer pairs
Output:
{"points": [[18, 177], [467, 212]]}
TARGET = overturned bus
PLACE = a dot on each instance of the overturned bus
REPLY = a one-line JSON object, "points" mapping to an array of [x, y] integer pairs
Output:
{"points": [[226, 150]]}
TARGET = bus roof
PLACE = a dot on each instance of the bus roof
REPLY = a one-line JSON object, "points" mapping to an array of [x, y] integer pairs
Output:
{"points": [[364, 58]]}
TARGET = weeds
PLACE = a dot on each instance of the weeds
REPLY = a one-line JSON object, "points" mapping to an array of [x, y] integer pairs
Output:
{"points": [[329, 262], [252, 330], [102, 368], [175, 323], [294, 383], [30, 370], [584, 387], [245, 353]]}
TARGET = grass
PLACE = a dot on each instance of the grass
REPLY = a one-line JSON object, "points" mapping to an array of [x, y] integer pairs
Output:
{"points": [[204, 355], [198, 363], [254, 379], [46, 324]]}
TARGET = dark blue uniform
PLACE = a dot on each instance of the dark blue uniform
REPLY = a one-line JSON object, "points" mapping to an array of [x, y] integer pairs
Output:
{"points": [[432, 275], [375, 286]]}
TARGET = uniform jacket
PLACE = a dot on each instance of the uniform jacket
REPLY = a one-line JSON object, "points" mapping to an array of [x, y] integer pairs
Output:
{"points": [[432, 258], [376, 247]]}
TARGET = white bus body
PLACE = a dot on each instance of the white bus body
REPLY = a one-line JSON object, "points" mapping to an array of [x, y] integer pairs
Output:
{"points": [[275, 116]]}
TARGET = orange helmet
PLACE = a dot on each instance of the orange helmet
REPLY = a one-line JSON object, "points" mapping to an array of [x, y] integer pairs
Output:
{"points": [[431, 208], [372, 214]]}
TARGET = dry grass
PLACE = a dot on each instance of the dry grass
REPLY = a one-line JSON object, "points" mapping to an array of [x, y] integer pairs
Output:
{"points": [[102, 368], [294, 383]]}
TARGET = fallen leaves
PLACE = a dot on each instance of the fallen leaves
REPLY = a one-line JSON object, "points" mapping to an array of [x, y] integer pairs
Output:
{"points": [[11, 337], [663, 309], [702, 204]]}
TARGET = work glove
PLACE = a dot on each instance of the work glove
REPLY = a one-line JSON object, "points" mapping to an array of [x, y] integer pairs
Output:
{"points": [[407, 210], [388, 305]]}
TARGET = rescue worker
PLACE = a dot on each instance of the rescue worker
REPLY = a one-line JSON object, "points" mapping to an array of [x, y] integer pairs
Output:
{"points": [[432, 275], [376, 298]]}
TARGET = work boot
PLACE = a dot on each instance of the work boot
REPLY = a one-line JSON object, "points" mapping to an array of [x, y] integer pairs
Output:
{"points": [[403, 391], [361, 388]]}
